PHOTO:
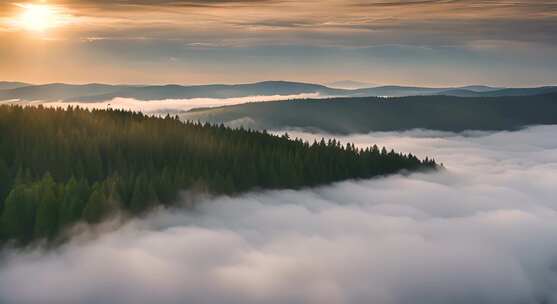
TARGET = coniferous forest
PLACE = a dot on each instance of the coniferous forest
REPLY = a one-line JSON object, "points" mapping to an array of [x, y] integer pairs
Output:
{"points": [[377, 114], [59, 167]]}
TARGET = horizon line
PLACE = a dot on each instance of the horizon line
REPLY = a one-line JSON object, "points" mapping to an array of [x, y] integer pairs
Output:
{"points": [[329, 84]]}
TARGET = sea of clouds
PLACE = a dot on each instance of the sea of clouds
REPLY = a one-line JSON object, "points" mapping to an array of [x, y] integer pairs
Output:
{"points": [[482, 231]]}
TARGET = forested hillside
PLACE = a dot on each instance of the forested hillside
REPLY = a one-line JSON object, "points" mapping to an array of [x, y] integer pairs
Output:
{"points": [[59, 167], [363, 115]]}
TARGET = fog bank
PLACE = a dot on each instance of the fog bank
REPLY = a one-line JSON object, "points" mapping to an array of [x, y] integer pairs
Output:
{"points": [[164, 106], [483, 231]]}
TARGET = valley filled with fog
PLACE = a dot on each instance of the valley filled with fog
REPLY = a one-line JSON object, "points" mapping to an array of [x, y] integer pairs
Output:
{"points": [[480, 231]]}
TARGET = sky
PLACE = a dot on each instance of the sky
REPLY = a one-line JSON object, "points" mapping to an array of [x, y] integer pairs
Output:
{"points": [[414, 42]]}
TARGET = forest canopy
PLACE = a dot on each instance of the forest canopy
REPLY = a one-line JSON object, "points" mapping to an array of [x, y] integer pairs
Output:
{"points": [[63, 166], [375, 114]]}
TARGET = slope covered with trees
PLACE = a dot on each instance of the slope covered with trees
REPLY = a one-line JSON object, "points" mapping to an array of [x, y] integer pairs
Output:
{"points": [[58, 167], [363, 115]]}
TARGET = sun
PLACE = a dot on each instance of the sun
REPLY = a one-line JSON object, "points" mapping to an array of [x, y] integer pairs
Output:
{"points": [[39, 17]]}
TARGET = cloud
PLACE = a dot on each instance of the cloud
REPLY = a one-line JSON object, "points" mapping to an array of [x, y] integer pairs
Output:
{"points": [[483, 231], [133, 39], [164, 106], [171, 3], [222, 19]]}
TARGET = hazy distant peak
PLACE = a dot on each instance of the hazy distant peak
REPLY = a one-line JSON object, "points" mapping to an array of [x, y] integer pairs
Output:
{"points": [[9, 85], [479, 88], [286, 83], [350, 84]]}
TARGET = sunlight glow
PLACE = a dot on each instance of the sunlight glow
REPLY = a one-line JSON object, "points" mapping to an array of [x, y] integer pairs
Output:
{"points": [[39, 17]]}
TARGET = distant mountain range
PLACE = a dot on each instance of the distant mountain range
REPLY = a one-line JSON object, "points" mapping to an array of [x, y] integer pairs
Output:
{"points": [[367, 114], [103, 92]]}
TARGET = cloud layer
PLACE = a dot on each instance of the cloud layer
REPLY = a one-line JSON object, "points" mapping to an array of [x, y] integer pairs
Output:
{"points": [[483, 231], [243, 41], [162, 107]]}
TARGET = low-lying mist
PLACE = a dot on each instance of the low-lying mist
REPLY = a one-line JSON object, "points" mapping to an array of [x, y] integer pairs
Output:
{"points": [[482, 231], [163, 106]]}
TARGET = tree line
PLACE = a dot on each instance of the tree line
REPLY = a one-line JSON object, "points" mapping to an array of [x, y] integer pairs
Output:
{"points": [[63, 166]]}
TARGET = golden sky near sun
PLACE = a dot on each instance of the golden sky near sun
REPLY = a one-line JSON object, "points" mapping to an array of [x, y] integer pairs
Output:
{"points": [[263, 15], [38, 17]]}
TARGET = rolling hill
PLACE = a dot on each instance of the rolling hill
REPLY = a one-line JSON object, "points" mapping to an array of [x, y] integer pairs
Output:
{"points": [[104, 92], [8, 85], [366, 114]]}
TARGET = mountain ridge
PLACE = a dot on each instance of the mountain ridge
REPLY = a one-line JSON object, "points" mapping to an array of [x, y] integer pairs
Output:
{"points": [[96, 92]]}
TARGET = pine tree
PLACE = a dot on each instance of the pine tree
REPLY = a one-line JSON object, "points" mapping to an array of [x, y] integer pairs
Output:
{"points": [[97, 207], [70, 199], [144, 196], [18, 217], [5, 181], [46, 220]]}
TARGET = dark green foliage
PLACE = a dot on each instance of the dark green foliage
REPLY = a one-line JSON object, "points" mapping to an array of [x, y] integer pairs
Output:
{"points": [[59, 167], [72, 204], [18, 216], [367, 114], [48, 200], [5, 181], [97, 206], [144, 195]]}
